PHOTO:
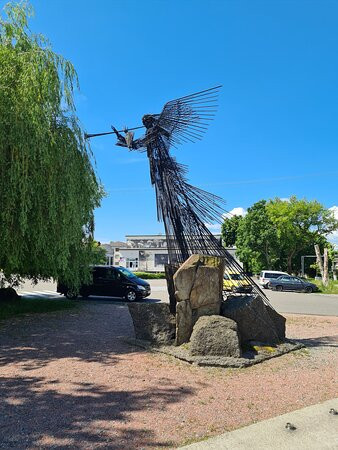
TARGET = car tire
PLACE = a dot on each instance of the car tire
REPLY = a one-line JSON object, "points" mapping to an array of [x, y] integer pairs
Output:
{"points": [[71, 295], [131, 295], [308, 290], [279, 288]]}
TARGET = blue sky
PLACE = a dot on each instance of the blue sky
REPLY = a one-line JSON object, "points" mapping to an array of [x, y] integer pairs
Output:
{"points": [[275, 133]]}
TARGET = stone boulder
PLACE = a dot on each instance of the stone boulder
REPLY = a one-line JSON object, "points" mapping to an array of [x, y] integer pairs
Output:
{"points": [[153, 322], [278, 320], [255, 320], [198, 282], [215, 336], [184, 321]]}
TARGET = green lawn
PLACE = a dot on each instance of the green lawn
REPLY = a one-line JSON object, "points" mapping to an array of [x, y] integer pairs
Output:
{"points": [[332, 287], [32, 306]]}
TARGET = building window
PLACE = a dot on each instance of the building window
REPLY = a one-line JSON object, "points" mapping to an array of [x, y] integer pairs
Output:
{"points": [[109, 260], [161, 259], [132, 263]]}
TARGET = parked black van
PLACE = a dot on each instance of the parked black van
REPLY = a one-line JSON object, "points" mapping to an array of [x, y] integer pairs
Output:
{"points": [[111, 281]]}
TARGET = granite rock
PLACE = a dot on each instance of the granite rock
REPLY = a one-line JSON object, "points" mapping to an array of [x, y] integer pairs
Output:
{"points": [[254, 319], [153, 322], [215, 336]]}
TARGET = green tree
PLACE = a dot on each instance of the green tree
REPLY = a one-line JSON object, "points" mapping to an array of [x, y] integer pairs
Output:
{"points": [[99, 253], [257, 239], [48, 187], [229, 230], [275, 234], [299, 225]]}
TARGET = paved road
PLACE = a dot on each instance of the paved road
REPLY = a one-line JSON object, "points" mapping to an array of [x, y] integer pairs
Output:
{"points": [[283, 302]]}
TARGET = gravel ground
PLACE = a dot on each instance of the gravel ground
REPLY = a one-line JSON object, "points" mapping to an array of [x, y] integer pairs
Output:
{"points": [[68, 382]]}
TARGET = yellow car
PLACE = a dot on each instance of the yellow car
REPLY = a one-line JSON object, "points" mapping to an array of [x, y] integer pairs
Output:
{"points": [[236, 282]]}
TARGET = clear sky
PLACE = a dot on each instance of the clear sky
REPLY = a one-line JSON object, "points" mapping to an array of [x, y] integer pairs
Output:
{"points": [[275, 133]]}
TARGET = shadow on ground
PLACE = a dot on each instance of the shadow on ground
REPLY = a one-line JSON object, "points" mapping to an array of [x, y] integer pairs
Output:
{"points": [[57, 407], [36, 416], [90, 333], [322, 341]]}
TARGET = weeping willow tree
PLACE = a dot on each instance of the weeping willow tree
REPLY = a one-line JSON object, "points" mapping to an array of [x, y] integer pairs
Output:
{"points": [[48, 187]]}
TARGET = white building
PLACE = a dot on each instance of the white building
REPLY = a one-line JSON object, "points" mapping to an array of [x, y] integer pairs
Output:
{"points": [[143, 253]]}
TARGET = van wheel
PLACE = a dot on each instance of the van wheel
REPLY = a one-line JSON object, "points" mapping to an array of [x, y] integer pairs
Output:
{"points": [[279, 288], [71, 295], [131, 295]]}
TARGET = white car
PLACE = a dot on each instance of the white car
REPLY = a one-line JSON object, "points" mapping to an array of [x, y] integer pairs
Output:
{"points": [[267, 275]]}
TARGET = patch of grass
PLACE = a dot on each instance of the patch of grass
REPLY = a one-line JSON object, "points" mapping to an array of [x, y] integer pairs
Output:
{"points": [[33, 306], [301, 353], [185, 346], [331, 288]]}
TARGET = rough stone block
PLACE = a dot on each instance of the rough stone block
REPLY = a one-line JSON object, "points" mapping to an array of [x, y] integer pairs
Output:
{"points": [[253, 319], [278, 320], [198, 285], [215, 336], [205, 290], [153, 322], [184, 322]]}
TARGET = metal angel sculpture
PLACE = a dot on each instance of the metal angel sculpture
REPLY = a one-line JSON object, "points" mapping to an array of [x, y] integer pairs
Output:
{"points": [[184, 209]]}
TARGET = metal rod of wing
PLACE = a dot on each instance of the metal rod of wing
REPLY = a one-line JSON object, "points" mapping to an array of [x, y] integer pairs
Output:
{"points": [[88, 136]]}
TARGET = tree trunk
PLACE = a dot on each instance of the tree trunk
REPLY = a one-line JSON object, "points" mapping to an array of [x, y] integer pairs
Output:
{"points": [[326, 267], [289, 264], [267, 257], [290, 256], [319, 261]]}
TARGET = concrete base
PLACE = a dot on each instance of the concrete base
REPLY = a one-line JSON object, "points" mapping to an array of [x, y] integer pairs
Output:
{"points": [[316, 429], [248, 359]]}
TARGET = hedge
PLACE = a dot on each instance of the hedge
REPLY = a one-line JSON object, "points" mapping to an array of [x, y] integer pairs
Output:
{"points": [[150, 275]]}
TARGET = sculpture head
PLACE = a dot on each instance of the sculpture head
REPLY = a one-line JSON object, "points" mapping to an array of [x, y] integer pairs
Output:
{"points": [[148, 120]]}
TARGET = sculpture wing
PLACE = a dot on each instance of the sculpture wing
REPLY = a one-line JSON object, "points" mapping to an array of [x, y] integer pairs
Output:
{"points": [[186, 119]]}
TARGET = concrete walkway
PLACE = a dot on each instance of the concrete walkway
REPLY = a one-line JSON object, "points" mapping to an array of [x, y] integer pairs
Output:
{"points": [[316, 429]]}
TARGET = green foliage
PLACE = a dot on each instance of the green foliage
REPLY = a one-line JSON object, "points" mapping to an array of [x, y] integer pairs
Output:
{"points": [[48, 186], [150, 275], [32, 306], [331, 288], [257, 239], [274, 234], [299, 224], [99, 253], [229, 230]]}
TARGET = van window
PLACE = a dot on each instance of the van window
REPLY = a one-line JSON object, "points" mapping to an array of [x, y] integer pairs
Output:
{"points": [[272, 275], [126, 273], [104, 273]]}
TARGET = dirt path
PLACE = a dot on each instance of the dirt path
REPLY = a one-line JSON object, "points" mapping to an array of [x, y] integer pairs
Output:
{"points": [[68, 382]]}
